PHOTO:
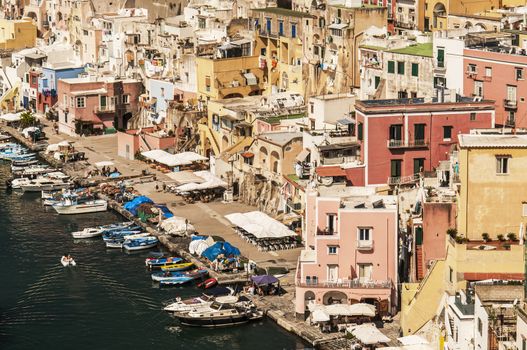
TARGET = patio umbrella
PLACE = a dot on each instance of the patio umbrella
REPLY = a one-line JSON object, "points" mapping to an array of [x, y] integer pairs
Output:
{"points": [[339, 310], [413, 340], [264, 280], [319, 316], [368, 334]]}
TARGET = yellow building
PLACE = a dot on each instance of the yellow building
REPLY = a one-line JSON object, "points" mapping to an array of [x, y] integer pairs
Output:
{"points": [[493, 196], [279, 42], [17, 34], [492, 200], [436, 12], [232, 71]]}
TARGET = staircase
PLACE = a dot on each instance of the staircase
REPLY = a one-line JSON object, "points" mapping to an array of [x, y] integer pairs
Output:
{"points": [[192, 141], [144, 143], [380, 90], [419, 262]]}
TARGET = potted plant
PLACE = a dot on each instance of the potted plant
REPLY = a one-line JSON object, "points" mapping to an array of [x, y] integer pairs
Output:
{"points": [[511, 236], [485, 237], [501, 237], [460, 239], [507, 246], [452, 232]]}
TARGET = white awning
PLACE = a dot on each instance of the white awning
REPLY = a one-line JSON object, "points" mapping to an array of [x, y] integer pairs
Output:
{"points": [[368, 334], [413, 340], [171, 160], [251, 79], [104, 163], [338, 26], [11, 117], [319, 316], [302, 155], [346, 121], [208, 181], [260, 225]]}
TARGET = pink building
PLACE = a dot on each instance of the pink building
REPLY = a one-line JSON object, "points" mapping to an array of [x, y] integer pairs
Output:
{"points": [[402, 137], [351, 249], [131, 141], [96, 104], [498, 76]]}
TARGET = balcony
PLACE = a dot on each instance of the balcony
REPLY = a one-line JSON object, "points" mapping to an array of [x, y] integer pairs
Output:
{"points": [[404, 25], [266, 34], [394, 144], [354, 283], [103, 109], [364, 245], [510, 104], [403, 180], [510, 123], [295, 205], [472, 73], [339, 160], [325, 232]]}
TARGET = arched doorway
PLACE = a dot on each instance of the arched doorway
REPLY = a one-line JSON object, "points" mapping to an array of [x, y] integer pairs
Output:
{"points": [[263, 158], [334, 297], [439, 11], [309, 297], [468, 25], [480, 26], [275, 158], [126, 119]]}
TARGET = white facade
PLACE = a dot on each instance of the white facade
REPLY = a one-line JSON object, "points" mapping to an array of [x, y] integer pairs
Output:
{"points": [[327, 109], [459, 323], [452, 71]]}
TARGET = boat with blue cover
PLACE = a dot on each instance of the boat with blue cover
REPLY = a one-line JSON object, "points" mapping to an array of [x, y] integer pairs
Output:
{"points": [[118, 226], [176, 281], [140, 243], [111, 235]]}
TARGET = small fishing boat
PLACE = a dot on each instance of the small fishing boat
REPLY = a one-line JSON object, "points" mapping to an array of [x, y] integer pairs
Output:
{"points": [[23, 163], [140, 243], [158, 262], [67, 261], [202, 301], [177, 267], [175, 281], [87, 233], [222, 312], [208, 283], [118, 226], [123, 235], [114, 244], [49, 194], [167, 275], [44, 184], [70, 204]]}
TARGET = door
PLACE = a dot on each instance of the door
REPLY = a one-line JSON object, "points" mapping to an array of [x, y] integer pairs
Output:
{"points": [[396, 133], [333, 272], [419, 133], [396, 168], [365, 272], [103, 103], [419, 165], [128, 152]]}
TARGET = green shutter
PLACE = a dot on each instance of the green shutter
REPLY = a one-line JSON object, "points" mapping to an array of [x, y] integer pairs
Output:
{"points": [[400, 68], [359, 132], [441, 57], [418, 235], [391, 67], [377, 82], [415, 70]]}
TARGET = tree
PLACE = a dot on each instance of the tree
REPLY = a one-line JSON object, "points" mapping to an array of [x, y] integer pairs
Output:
{"points": [[27, 119]]}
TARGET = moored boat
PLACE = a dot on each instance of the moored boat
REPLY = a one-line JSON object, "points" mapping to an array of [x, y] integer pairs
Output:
{"points": [[201, 301], [167, 275], [87, 233], [114, 244], [177, 267], [71, 205], [158, 262], [44, 184], [140, 243]]}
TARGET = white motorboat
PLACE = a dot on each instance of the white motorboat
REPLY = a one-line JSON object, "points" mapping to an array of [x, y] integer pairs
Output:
{"points": [[69, 205], [16, 184], [88, 232], [65, 261], [44, 184], [201, 302]]}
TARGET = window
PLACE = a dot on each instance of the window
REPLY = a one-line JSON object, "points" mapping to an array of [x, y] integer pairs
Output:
{"points": [[391, 67], [377, 81], [207, 83], [364, 237], [524, 209], [472, 69], [502, 164], [395, 168], [65, 100], [333, 273], [332, 249], [524, 343], [519, 73], [365, 272], [480, 326], [440, 57], [488, 72], [415, 70], [33, 80], [450, 274], [330, 224], [472, 116], [511, 119], [80, 102], [281, 28], [126, 99], [268, 25], [478, 88], [293, 30], [419, 165], [312, 108], [359, 132], [400, 68], [447, 133]]}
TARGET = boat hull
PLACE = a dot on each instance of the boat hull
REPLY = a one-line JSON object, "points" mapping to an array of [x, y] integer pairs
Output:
{"points": [[38, 188], [82, 208], [217, 321]]}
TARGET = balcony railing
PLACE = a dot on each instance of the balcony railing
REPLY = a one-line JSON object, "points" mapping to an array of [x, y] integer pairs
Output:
{"points": [[511, 123], [325, 232], [364, 245], [510, 104], [338, 160], [355, 283], [402, 180], [407, 144], [265, 33], [404, 25]]}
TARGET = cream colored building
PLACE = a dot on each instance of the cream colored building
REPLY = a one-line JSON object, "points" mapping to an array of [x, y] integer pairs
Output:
{"points": [[17, 34]]}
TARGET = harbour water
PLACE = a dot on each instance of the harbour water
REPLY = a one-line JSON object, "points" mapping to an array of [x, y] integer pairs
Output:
{"points": [[106, 302]]}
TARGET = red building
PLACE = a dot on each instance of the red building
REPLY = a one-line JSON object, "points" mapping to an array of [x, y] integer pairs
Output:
{"points": [[95, 105], [498, 76], [402, 137]]}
